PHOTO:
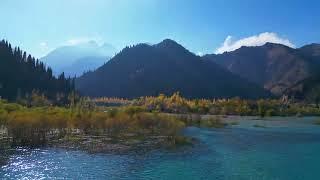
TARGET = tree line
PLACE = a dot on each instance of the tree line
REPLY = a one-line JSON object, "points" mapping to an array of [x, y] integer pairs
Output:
{"points": [[21, 75], [177, 104]]}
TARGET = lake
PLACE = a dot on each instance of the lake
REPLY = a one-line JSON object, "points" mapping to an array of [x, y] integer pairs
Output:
{"points": [[276, 148]]}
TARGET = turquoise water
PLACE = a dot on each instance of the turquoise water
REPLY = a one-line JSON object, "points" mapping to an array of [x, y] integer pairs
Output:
{"points": [[286, 149]]}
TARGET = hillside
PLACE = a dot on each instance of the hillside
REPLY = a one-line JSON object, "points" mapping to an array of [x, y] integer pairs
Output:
{"points": [[311, 52], [167, 67], [306, 90], [273, 66]]}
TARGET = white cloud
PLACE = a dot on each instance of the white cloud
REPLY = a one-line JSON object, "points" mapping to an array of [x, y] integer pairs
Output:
{"points": [[256, 40], [43, 44], [200, 53], [83, 41], [44, 49]]}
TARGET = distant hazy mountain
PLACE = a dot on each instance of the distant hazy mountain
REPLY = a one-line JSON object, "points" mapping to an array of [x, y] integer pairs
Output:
{"points": [[273, 66], [167, 67], [83, 65], [77, 59]]}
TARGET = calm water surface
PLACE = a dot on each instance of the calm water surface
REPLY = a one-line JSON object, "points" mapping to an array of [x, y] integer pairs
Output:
{"points": [[289, 148]]}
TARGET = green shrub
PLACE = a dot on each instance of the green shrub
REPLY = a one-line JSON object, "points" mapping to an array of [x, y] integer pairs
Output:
{"points": [[234, 123], [317, 122], [259, 126], [214, 122], [3, 116]]}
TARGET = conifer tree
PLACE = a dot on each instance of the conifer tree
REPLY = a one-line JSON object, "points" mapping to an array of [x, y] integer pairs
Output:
{"points": [[21, 74]]}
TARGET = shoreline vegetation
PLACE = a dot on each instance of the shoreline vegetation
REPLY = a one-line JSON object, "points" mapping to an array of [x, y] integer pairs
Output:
{"points": [[113, 125], [83, 125], [283, 106]]}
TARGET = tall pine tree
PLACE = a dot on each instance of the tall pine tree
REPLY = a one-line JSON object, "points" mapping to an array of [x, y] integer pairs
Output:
{"points": [[20, 74]]}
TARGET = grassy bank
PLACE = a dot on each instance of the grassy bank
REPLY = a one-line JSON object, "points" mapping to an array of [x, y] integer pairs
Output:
{"points": [[42, 125], [147, 120]]}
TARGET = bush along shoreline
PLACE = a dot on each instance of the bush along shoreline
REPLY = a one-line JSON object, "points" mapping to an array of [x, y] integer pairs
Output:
{"points": [[144, 123], [87, 127], [175, 103]]}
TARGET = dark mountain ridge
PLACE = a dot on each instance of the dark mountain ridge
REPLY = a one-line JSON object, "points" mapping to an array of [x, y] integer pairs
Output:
{"points": [[167, 67], [275, 67]]}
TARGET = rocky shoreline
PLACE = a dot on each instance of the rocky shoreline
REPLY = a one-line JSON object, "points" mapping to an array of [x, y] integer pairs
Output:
{"points": [[105, 144], [101, 144]]}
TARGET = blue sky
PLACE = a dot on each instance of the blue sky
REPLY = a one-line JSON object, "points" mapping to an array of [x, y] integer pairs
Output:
{"points": [[202, 26]]}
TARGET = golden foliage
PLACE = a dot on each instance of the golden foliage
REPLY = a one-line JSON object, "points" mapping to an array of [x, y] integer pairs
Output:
{"points": [[36, 125]]}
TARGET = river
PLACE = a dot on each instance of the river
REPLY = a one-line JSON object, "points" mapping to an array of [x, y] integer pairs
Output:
{"points": [[274, 148]]}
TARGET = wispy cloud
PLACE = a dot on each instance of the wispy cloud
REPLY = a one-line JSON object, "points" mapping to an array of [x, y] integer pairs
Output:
{"points": [[200, 53], [83, 40], [256, 40], [43, 44], [43, 49]]}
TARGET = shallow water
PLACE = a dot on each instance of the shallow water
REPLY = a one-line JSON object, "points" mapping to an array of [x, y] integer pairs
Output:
{"points": [[288, 148]]}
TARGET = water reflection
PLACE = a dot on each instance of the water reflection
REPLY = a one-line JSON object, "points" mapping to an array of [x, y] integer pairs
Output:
{"points": [[289, 151]]}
